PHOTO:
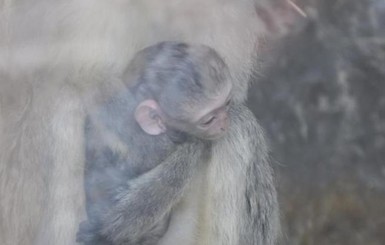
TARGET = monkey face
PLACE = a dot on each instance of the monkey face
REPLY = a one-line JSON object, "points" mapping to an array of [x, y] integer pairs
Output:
{"points": [[184, 89], [213, 125], [208, 121]]}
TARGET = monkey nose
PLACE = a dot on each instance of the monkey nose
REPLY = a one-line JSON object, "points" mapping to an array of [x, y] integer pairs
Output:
{"points": [[224, 123]]}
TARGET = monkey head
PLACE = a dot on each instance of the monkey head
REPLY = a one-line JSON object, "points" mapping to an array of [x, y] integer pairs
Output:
{"points": [[184, 88]]}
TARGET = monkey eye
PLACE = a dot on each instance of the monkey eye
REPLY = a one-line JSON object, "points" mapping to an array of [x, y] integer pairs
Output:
{"points": [[208, 121]]}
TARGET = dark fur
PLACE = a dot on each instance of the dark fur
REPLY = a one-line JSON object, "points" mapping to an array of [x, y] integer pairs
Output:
{"points": [[130, 194]]}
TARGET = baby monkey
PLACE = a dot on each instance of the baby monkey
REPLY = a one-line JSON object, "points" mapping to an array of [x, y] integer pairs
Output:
{"points": [[144, 144]]}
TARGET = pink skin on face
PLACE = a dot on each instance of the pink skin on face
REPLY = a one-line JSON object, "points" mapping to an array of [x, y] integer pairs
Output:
{"points": [[213, 119], [216, 103], [219, 127]]}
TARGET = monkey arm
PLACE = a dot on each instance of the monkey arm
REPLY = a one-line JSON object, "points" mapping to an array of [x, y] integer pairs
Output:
{"points": [[261, 215], [150, 197], [242, 179]]}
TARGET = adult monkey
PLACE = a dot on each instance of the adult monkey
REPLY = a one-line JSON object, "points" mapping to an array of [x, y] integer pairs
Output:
{"points": [[56, 57]]}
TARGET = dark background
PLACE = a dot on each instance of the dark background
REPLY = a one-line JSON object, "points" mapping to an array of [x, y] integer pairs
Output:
{"points": [[321, 101]]}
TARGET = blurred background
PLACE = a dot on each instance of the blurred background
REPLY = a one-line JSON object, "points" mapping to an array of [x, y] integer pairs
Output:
{"points": [[321, 101]]}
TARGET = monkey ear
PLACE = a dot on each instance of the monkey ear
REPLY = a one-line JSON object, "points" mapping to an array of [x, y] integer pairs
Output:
{"points": [[148, 116]]}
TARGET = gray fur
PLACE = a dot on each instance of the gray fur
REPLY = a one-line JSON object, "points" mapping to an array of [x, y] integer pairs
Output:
{"points": [[130, 192], [232, 211]]}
